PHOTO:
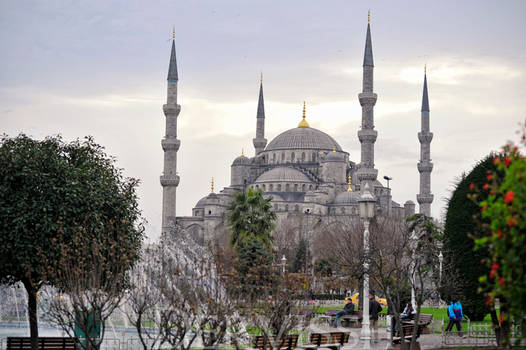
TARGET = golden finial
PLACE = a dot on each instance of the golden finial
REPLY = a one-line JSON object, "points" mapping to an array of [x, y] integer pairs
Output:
{"points": [[334, 149], [425, 68], [173, 34], [303, 123], [349, 189], [212, 185], [261, 78], [369, 16], [242, 152]]}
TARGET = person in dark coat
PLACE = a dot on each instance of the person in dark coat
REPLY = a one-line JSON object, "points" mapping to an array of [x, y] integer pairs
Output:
{"points": [[348, 309], [374, 309]]}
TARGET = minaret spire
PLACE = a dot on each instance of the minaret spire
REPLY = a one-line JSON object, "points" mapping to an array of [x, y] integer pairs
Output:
{"points": [[425, 197], [170, 144], [260, 141], [367, 135]]}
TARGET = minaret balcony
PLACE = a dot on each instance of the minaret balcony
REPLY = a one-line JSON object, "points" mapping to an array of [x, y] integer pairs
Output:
{"points": [[367, 98], [259, 142], [424, 167], [170, 144], [367, 174], [425, 198], [171, 110], [425, 136], [367, 135], [169, 180]]}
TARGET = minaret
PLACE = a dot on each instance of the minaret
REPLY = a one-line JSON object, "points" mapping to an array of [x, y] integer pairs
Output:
{"points": [[170, 144], [367, 135], [260, 141], [425, 198]]}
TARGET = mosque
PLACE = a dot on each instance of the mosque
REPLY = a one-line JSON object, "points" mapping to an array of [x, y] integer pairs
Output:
{"points": [[303, 169]]}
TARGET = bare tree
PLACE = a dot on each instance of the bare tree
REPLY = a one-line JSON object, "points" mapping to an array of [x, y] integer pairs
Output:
{"points": [[92, 276]]}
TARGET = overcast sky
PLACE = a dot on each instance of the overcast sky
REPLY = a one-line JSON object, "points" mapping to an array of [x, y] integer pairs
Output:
{"points": [[99, 68]]}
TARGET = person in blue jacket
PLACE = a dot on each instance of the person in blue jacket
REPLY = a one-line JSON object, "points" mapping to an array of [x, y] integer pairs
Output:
{"points": [[455, 314]]}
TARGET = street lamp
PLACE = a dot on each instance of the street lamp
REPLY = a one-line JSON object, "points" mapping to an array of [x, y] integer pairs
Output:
{"points": [[413, 242], [440, 259], [283, 264], [366, 203]]}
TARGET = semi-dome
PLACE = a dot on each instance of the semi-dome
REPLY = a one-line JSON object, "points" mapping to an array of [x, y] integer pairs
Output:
{"points": [[347, 198], [303, 138], [282, 174]]}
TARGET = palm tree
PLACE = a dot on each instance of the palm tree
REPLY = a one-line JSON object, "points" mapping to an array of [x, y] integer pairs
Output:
{"points": [[250, 215]]}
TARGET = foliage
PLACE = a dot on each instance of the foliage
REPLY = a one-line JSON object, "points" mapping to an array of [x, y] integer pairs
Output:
{"points": [[50, 186], [461, 271], [505, 236], [251, 215]]}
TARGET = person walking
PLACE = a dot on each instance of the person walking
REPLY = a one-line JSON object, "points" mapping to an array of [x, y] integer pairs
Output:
{"points": [[348, 309], [455, 314], [374, 309]]}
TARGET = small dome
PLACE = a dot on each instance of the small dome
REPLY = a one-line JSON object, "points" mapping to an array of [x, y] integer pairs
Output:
{"points": [[347, 198], [334, 157], [201, 203], [241, 160], [409, 202], [282, 174]]}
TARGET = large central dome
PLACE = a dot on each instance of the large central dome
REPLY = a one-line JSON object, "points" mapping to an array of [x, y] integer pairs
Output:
{"points": [[303, 138]]}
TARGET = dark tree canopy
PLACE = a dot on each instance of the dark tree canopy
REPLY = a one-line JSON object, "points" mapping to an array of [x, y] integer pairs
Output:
{"points": [[51, 192], [463, 266]]}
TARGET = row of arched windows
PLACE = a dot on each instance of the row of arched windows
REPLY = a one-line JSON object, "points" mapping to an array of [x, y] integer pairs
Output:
{"points": [[281, 157], [284, 187]]}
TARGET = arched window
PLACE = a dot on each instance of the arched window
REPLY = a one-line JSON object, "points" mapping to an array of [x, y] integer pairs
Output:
{"points": [[313, 156], [209, 212], [283, 156], [264, 188], [286, 207], [292, 157], [276, 207], [257, 187], [296, 208], [303, 156], [287, 188], [273, 157], [343, 210], [295, 187], [353, 210], [279, 187], [310, 187], [303, 188], [271, 187]]}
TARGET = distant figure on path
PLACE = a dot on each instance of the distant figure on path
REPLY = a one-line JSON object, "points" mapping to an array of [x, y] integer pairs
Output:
{"points": [[348, 309]]}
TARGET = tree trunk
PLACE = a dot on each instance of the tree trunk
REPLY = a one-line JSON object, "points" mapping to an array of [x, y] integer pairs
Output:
{"points": [[32, 312]]}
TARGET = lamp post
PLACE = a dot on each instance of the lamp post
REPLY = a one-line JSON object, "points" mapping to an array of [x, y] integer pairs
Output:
{"points": [[413, 241], [283, 264], [366, 203], [440, 260]]}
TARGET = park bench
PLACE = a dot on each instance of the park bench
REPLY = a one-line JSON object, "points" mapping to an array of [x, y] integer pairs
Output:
{"points": [[352, 321], [333, 340], [44, 343], [407, 328], [424, 320], [287, 342]]}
